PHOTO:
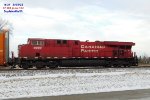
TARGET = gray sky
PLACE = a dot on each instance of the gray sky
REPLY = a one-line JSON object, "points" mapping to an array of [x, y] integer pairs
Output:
{"points": [[104, 20]]}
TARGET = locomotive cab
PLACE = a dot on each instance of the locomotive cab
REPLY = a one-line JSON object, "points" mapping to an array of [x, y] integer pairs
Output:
{"points": [[37, 46]]}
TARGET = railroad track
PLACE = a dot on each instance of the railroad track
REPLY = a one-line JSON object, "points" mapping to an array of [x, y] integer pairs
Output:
{"points": [[60, 68]]}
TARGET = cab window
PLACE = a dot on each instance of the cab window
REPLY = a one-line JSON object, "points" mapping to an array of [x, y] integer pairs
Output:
{"points": [[37, 42]]}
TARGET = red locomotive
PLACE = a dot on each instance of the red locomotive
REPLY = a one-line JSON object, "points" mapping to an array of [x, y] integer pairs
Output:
{"points": [[56, 52]]}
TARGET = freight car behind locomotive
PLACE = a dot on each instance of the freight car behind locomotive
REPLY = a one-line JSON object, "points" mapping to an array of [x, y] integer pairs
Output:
{"points": [[57, 52], [4, 48]]}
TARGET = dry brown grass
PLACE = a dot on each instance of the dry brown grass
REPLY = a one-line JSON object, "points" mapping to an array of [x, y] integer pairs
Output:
{"points": [[144, 65]]}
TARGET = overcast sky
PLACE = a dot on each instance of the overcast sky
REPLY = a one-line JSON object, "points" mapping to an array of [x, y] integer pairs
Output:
{"points": [[104, 20]]}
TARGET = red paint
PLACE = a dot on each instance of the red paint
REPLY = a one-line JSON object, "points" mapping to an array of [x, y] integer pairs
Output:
{"points": [[56, 48]]}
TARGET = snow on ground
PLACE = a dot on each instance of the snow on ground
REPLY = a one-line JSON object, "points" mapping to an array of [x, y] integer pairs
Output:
{"points": [[34, 83]]}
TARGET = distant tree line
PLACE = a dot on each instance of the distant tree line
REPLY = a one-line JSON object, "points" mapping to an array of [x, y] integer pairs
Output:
{"points": [[144, 59]]}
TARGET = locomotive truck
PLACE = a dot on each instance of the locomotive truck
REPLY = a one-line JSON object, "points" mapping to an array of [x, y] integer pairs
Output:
{"points": [[53, 53]]}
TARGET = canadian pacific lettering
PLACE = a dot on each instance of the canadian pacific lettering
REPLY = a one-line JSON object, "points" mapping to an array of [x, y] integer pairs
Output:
{"points": [[94, 47], [85, 51], [88, 48]]}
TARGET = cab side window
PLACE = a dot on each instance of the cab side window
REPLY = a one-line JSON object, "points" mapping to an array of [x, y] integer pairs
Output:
{"points": [[34, 42], [37, 42]]}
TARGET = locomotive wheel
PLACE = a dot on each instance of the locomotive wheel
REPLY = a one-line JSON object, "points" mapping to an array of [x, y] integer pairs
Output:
{"points": [[55, 65], [118, 66], [39, 66], [25, 66], [52, 67], [107, 66], [127, 66], [115, 66]]}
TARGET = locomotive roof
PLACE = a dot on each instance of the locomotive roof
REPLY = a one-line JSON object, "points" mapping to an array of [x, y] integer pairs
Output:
{"points": [[48, 39], [105, 42], [118, 43]]}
